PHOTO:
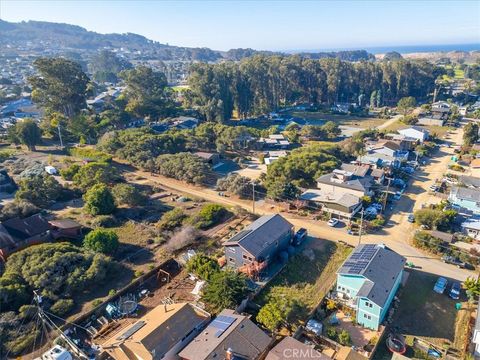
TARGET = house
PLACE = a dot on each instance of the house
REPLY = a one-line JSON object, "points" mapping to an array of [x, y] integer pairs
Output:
{"points": [[475, 164], [469, 181], [368, 281], [338, 205], [345, 182], [471, 228], [274, 155], [445, 237], [274, 141], [184, 122], [160, 334], [433, 119], [259, 243], [17, 234], [229, 336], [210, 158], [441, 107], [476, 333], [465, 198], [415, 132], [394, 149], [65, 228], [290, 348]]}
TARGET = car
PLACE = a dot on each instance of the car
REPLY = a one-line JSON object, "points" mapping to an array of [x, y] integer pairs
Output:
{"points": [[377, 206], [453, 261], [397, 195], [300, 235], [440, 285], [411, 218], [408, 169], [332, 222], [454, 292], [434, 188]]}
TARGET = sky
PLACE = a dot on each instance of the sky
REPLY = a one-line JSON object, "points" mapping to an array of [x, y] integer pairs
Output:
{"points": [[266, 25]]}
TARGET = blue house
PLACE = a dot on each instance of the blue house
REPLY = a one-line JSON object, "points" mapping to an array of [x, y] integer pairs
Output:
{"points": [[368, 281], [259, 243], [465, 198]]}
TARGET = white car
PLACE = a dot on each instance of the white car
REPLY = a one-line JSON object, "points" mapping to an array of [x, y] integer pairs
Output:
{"points": [[332, 222]]}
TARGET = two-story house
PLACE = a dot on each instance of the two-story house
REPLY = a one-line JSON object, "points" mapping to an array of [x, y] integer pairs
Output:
{"points": [[465, 198], [345, 182], [368, 281], [259, 243], [415, 132]]}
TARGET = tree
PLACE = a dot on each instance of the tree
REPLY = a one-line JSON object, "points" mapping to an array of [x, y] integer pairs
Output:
{"points": [[128, 194], [102, 241], [472, 288], [344, 338], [25, 132], [62, 307], [236, 184], [95, 173], [18, 208], [147, 92], [406, 104], [40, 190], [203, 266], [209, 215], [183, 166], [106, 65], [60, 86], [470, 133], [99, 200], [226, 289], [274, 312], [172, 219]]}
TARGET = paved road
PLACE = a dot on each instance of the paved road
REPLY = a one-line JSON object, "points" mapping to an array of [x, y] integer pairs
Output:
{"points": [[396, 234]]}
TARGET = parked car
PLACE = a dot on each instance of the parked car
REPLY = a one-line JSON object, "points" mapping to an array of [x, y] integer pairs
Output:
{"points": [[411, 218], [300, 235], [399, 183], [397, 195], [440, 285], [454, 292], [408, 169], [377, 206], [453, 260], [332, 222]]}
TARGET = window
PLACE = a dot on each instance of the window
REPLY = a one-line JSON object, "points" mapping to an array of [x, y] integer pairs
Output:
{"points": [[367, 316], [348, 291], [367, 304], [231, 259]]}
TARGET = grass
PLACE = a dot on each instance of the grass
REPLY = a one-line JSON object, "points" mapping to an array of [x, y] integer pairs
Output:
{"points": [[459, 73], [428, 315], [440, 131], [306, 281], [348, 120]]}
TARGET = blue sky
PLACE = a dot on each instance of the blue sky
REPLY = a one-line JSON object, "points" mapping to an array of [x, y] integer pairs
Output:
{"points": [[269, 25]]}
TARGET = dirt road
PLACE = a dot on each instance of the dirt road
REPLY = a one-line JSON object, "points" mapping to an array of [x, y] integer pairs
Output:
{"points": [[396, 234]]}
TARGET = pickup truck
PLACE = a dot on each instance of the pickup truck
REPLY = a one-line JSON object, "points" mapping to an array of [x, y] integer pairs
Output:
{"points": [[440, 285]]}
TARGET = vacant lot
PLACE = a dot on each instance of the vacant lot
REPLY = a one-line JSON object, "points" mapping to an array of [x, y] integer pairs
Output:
{"points": [[428, 315], [347, 120], [308, 276]]}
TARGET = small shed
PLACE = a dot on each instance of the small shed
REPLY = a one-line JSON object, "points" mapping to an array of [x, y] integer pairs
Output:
{"points": [[65, 228], [445, 237]]}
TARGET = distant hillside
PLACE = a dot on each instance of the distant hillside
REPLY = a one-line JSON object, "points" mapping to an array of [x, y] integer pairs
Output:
{"points": [[47, 37]]}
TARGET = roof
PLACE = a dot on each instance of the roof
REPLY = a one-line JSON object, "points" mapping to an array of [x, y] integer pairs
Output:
{"points": [[228, 331], [318, 195], [469, 181], [471, 224], [416, 128], [355, 183], [25, 228], [347, 353], [379, 265], [445, 237], [65, 224], [291, 346], [465, 193], [377, 173], [357, 170], [156, 332], [475, 163], [205, 155], [261, 233]]}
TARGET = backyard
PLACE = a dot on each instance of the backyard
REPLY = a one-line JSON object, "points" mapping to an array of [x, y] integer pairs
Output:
{"points": [[307, 277], [346, 120]]}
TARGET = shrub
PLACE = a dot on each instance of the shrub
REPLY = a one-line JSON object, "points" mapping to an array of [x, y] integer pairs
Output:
{"points": [[225, 290], [331, 333], [102, 241], [90, 154], [138, 273], [209, 215], [70, 172], [203, 266], [99, 200], [18, 208], [344, 338], [104, 221], [95, 173], [22, 343], [62, 307], [27, 311], [182, 238], [40, 190], [126, 194], [97, 302], [172, 219]]}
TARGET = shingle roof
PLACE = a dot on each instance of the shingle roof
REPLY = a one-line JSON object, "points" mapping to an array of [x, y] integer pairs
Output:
{"points": [[290, 346], [469, 181], [318, 195], [243, 337], [357, 170], [259, 234], [25, 228], [466, 193], [362, 184], [379, 265]]}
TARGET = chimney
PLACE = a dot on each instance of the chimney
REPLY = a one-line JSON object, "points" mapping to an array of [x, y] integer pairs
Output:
{"points": [[229, 354]]}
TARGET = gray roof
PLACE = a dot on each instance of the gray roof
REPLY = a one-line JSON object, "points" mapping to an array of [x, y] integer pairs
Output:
{"points": [[357, 170], [356, 183], [379, 265], [261, 233], [318, 195], [469, 181], [466, 193], [243, 337], [289, 345]]}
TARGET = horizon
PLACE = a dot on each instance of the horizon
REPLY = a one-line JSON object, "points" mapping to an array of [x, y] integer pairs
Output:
{"points": [[263, 33]]}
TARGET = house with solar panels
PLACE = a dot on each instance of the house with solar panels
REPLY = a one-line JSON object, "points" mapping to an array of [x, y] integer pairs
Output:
{"points": [[368, 281], [259, 244], [229, 336]]}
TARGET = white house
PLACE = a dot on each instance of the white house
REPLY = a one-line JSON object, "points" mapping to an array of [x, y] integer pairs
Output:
{"points": [[415, 132]]}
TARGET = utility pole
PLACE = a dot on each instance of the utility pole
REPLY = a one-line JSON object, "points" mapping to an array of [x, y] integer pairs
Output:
{"points": [[253, 197], [60, 136], [361, 227], [386, 194]]}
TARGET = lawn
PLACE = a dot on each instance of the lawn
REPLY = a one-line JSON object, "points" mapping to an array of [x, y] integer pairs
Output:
{"points": [[459, 73], [307, 277], [348, 120], [428, 315], [439, 131]]}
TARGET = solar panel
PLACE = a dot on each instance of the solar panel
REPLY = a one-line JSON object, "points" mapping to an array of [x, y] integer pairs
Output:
{"points": [[137, 326], [222, 323]]}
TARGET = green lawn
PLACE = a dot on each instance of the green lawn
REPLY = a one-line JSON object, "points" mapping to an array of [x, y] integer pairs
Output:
{"points": [[348, 120], [307, 281]]}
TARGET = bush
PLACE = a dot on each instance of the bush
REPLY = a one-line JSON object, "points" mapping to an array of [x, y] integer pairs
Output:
{"points": [[95, 173], [435, 218], [456, 167], [203, 266], [104, 221], [97, 302], [126, 194], [62, 307], [225, 290], [332, 333], [344, 338], [22, 343], [172, 219], [90, 154], [182, 238], [183, 166], [209, 215], [102, 241], [99, 200], [236, 184], [18, 208], [27, 311], [70, 172], [39, 190]]}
